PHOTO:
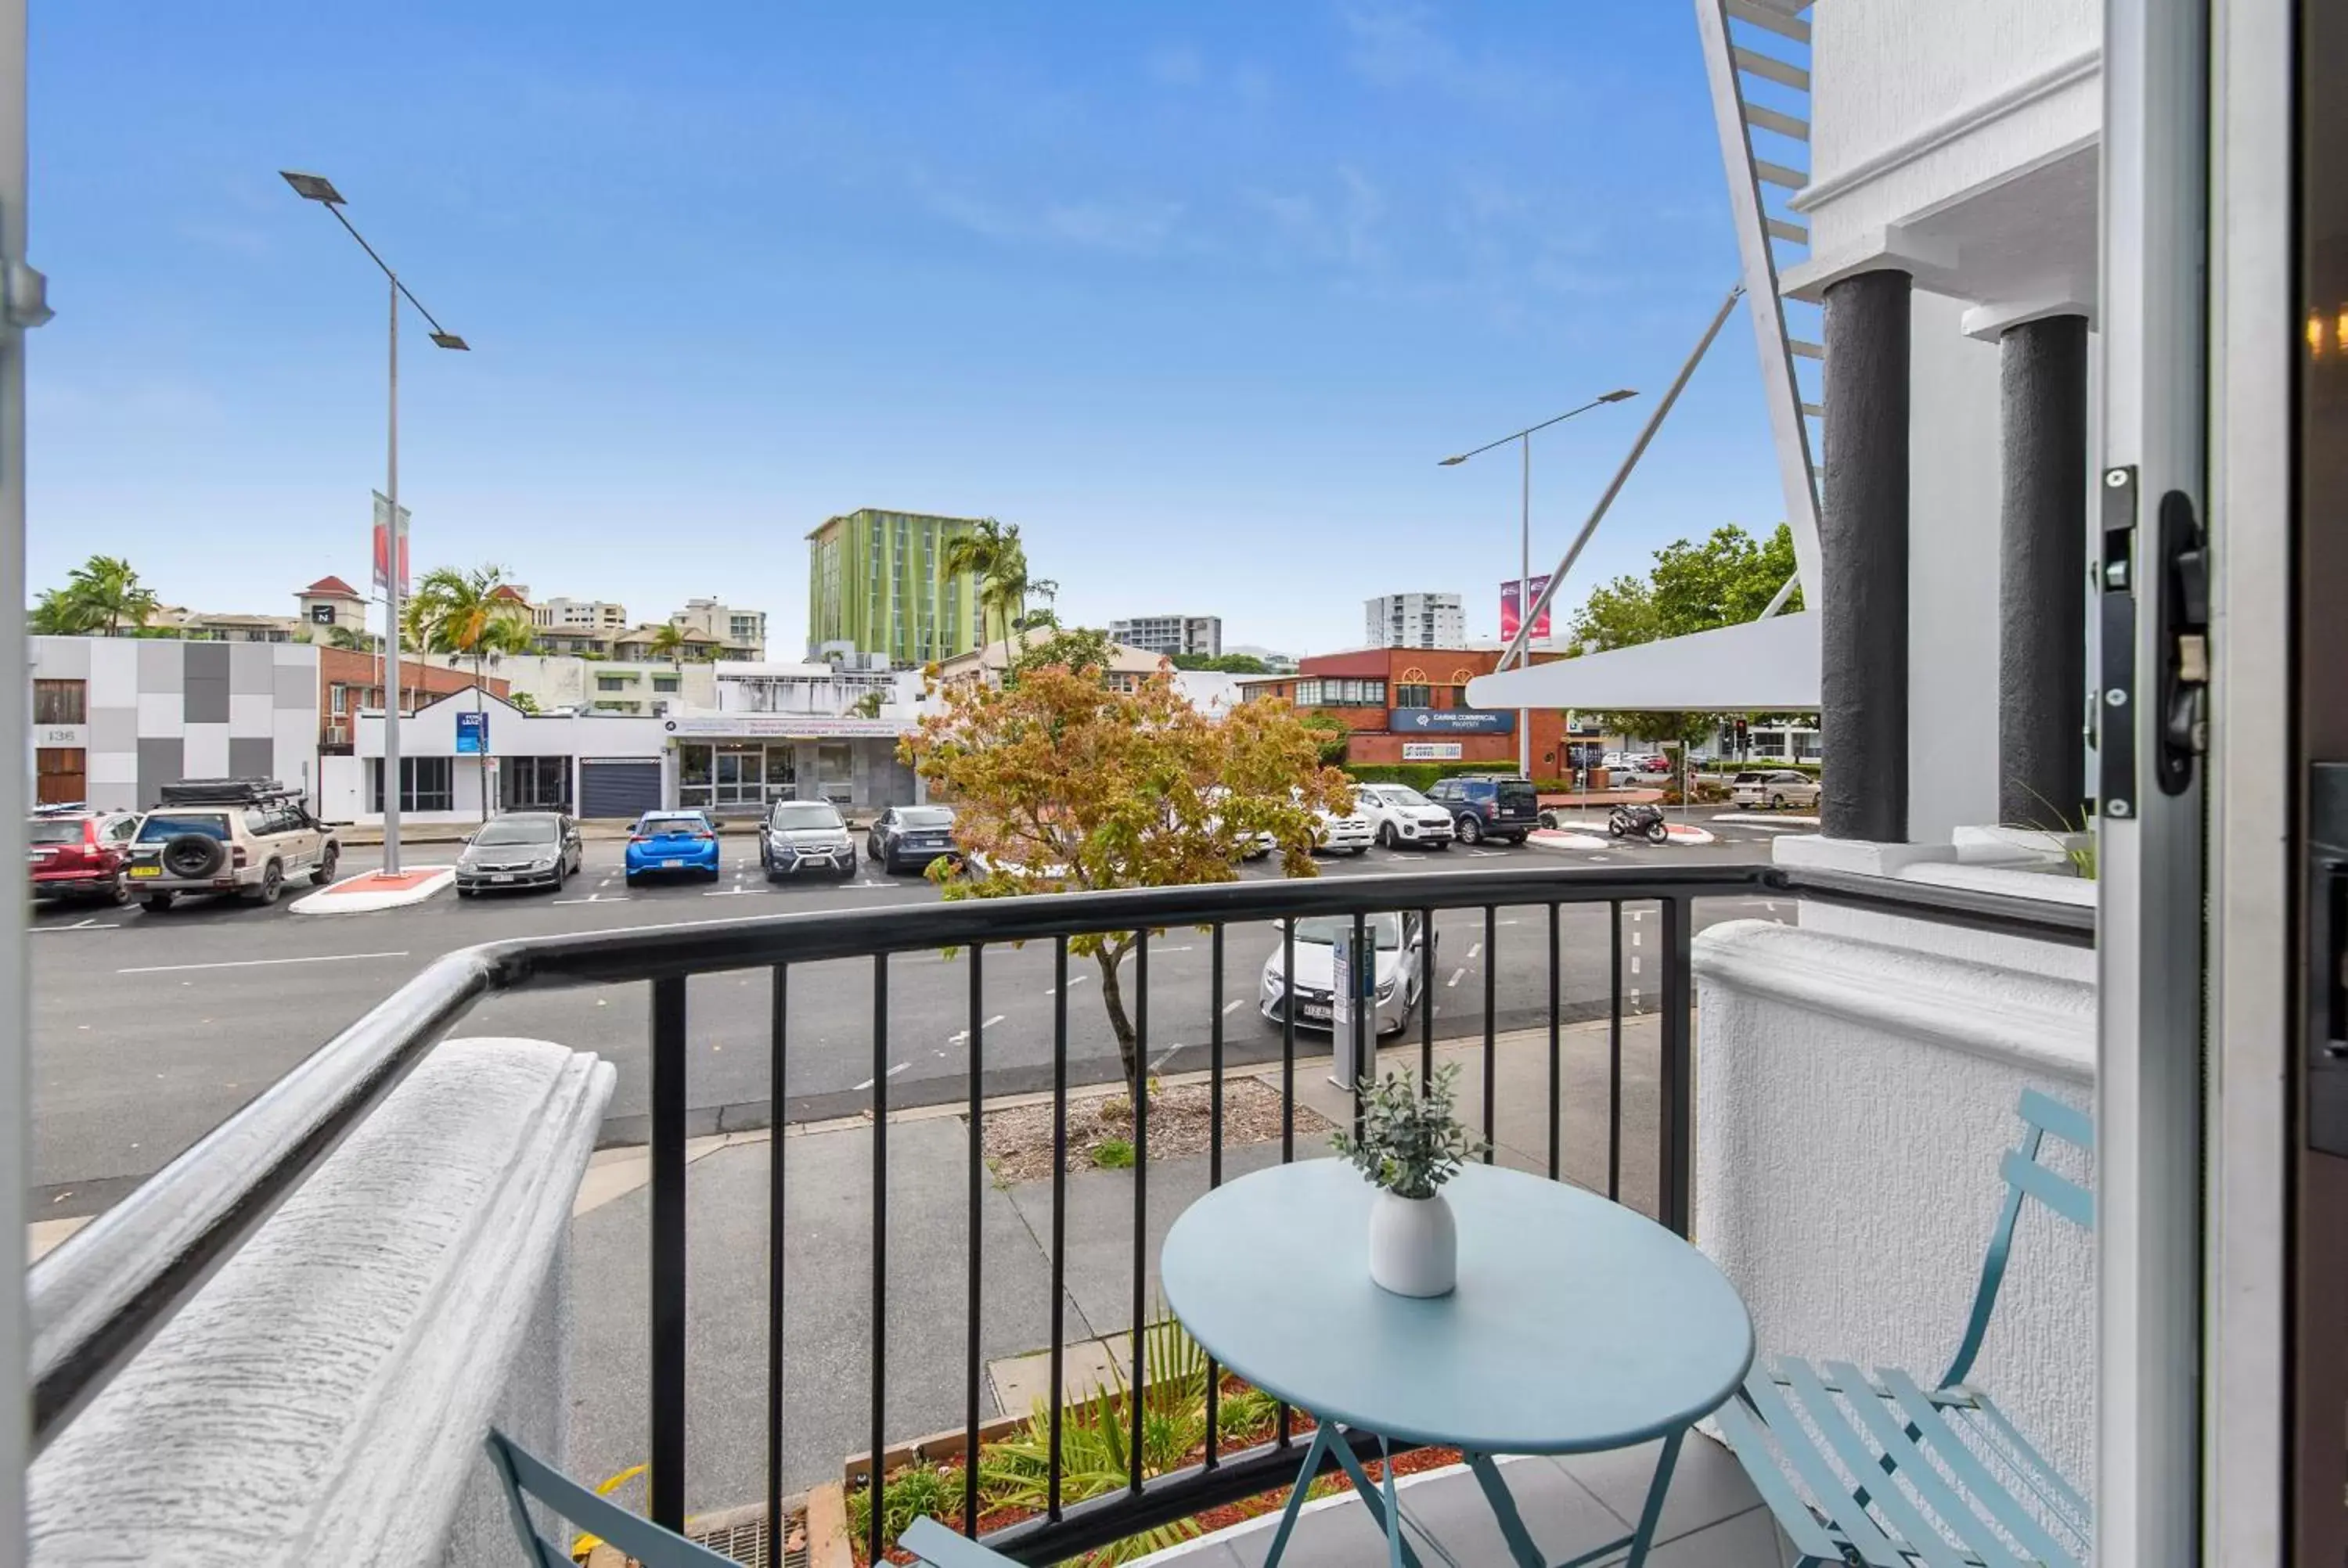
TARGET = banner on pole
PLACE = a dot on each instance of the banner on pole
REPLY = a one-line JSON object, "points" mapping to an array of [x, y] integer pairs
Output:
{"points": [[1513, 612], [383, 546]]}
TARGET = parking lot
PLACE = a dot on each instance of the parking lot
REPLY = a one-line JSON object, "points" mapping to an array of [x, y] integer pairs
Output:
{"points": [[149, 1028]]}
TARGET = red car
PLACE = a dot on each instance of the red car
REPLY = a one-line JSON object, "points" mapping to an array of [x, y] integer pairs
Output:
{"points": [[79, 854]]}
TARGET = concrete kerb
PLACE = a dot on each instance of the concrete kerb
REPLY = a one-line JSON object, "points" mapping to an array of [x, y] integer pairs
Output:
{"points": [[371, 891]]}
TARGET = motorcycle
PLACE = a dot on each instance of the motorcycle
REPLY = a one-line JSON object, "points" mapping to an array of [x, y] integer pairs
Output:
{"points": [[1638, 822]]}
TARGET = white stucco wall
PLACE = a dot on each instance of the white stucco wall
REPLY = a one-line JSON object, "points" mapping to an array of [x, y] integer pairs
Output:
{"points": [[324, 1398], [1853, 1099], [1889, 77]]}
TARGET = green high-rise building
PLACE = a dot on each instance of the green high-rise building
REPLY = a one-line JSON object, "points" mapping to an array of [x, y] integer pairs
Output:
{"points": [[877, 580]]}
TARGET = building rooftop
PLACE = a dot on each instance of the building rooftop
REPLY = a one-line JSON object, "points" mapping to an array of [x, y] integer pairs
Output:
{"points": [[333, 585]]}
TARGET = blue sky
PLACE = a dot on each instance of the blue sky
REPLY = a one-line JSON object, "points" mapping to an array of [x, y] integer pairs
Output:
{"points": [[1194, 293]]}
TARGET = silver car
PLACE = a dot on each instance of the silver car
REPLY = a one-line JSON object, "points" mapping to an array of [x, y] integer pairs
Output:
{"points": [[805, 835], [520, 849]]}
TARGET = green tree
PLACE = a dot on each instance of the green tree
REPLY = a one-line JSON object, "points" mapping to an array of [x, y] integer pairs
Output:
{"points": [[60, 614], [1730, 578], [102, 595], [1060, 782], [1330, 734], [1068, 648], [669, 643], [352, 639], [980, 554], [523, 700], [463, 613], [868, 706]]}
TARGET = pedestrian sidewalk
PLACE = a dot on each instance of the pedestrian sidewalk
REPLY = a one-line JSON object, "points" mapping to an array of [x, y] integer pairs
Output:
{"points": [[828, 1259]]}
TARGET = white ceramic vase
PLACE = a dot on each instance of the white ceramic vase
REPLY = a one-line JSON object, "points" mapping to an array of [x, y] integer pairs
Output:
{"points": [[1413, 1244]]}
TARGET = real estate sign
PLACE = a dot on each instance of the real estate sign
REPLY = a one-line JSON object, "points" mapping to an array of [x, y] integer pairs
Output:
{"points": [[472, 734], [1448, 721], [1431, 751]]}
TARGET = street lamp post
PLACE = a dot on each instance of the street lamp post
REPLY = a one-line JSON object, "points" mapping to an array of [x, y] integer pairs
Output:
{"points": [[1525, 540], [319, 189]]}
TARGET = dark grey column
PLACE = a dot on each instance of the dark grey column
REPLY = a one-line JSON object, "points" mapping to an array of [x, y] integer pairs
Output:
{"points": [[1863, 550], [2042, 648]]}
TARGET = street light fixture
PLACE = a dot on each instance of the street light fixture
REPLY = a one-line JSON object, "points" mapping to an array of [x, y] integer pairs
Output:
{"points": [[1525, 539], [319, 189]]}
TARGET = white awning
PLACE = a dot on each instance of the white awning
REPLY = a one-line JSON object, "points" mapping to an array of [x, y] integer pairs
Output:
{"points": [[1754, 666]]}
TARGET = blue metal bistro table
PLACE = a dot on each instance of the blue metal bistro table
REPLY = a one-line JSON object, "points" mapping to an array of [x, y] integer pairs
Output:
{"points": [[1578, 1325]]}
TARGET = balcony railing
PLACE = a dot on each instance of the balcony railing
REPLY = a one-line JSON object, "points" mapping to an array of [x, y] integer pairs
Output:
{"points": [[99, 1298]]}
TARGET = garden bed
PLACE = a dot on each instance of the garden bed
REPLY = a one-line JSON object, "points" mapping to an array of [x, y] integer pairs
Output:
{"points": [[1017, 1139]]}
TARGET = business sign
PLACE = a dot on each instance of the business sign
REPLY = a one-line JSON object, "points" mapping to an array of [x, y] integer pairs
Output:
{"points": [[472, 734], [810, 727], [1431, 751], [383, 546], [1448, 721], [1513, 612]]}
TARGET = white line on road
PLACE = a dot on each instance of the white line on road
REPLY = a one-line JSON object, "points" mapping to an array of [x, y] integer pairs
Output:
{"points": [[1474, 951], [1230, 1008], [893, 1072], [92, 924], [1635, 965], [593, 899], [1454, 978], [256, 963], [1637, 937]]}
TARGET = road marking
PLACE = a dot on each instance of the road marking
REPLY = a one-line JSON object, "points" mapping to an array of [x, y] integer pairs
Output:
{"points": [[893, 1072], [1230, 1008], [1474, 951], [256, 963], [1635, 965], [1184, 949], [1454, 980], [1638, 938], [726, 892], [92, 924], [1638, 914], [961, 1036], [594, 899]]}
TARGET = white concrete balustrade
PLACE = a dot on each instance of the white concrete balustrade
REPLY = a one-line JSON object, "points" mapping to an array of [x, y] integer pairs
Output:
{"points": [[322, 1399], [1856, 1078]]}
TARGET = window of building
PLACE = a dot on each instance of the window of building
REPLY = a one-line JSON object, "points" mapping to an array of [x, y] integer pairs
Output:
{"points": [[536, 783], [665, 682], [1334, 694], [60, 702], [338, 698], [426, 784], [611, 682], [1414, 696]]}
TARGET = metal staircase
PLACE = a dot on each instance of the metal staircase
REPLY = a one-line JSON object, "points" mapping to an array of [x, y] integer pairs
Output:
{"points": [[1758, 55]]}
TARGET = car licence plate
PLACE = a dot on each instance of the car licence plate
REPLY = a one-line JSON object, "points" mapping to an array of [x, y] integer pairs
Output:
{"points": [[503, 877], [671, 865], [1317, 1014], [146, 871]]}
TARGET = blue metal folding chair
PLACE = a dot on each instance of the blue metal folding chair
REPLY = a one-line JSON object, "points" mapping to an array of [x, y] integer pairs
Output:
{"points": [[1884, 1472], [525, 1477]]}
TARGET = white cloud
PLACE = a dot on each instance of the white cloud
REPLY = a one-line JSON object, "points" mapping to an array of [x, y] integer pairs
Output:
{"points": [[1177, 65], [1342, 226], [1392, 42], [1131, 225]]}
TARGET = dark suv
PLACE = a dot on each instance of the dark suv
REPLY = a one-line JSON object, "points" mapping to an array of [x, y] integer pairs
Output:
{"points": [[1490, 805]]}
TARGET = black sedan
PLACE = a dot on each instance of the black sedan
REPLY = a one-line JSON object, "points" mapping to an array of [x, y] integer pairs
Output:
{"points": [[908, 838]]}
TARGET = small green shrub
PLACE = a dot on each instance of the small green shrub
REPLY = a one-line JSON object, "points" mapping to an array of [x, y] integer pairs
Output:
{"points": [[909, 1494], [1243, 1409], [1411, 1142], [1113, 1153]]}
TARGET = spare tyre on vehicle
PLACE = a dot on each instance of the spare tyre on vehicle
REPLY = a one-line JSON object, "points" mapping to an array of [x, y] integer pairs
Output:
{"points": [[193, 855]]}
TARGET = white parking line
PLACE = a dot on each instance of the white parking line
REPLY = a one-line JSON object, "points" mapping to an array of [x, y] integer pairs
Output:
{"points": [[1635, 965], [893, 1072], [1230, 1008], [961, 1036], [92, 924], [1638, 938], [256, 963], [1454, 978], [1474, 951]]}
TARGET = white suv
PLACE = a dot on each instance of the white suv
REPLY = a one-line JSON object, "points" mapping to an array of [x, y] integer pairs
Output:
{"points": [[1399, 814], [244, 836]]}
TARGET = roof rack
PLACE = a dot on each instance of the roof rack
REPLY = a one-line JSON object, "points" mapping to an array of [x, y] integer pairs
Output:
{"points": [[227, 792]]}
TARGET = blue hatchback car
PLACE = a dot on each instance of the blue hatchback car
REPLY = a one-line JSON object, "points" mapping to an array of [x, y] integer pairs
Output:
{"points": [[672, 841]]}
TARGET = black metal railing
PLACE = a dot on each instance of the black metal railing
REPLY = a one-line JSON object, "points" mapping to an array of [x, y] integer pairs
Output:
{"points": [[97, 1298]]}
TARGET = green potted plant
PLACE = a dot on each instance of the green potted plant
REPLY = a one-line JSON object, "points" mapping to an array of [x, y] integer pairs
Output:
{"points": [[1410, 1144]]}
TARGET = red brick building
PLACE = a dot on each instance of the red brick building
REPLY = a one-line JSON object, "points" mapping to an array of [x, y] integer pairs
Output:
{"points": [[1376, 689], [350, 679]]}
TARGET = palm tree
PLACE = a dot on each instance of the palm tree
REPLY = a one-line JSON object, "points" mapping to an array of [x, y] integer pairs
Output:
{"points": [[980, 554], [462, 612], [60, 614], [669, 643], [352, 639], [109, 589]]}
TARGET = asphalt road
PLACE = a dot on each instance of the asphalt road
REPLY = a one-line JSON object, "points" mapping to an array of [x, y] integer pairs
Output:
{"points": [[149, 1029]]}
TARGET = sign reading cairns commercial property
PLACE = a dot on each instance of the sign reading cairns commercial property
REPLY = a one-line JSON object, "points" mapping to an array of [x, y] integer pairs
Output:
{"points": [[1447, 721], [472, 734], [1431, 751], [1512, 614]]}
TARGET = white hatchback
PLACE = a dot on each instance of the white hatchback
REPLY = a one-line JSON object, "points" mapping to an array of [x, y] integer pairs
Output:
{"points": [[1399, 814]]}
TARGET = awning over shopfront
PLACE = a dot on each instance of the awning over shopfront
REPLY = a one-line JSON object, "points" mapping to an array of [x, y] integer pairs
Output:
{"points": [[1755, 666]]}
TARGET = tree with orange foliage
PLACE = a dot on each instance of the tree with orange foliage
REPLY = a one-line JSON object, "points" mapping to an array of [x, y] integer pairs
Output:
{"points": [[1060, 782]]}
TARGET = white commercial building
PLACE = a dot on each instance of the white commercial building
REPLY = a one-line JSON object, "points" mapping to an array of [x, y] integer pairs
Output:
{"points": [[1202, 634], [1415, 620]]}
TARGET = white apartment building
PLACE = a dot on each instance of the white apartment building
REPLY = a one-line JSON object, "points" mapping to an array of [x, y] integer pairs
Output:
{"points": [[740, 634], [1202, 634], [1415, 620], [598, 616]]}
